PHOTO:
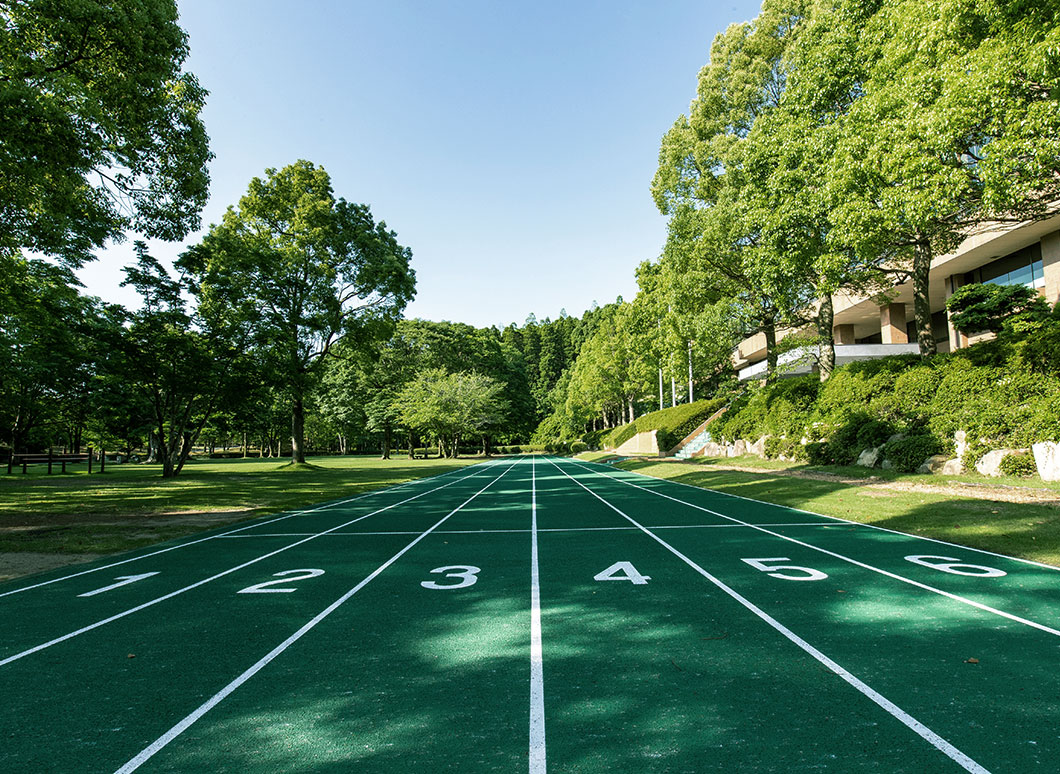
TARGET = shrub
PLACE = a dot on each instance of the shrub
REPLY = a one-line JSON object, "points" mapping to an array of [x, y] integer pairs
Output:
{"points": [[818, 453], [1019, 464], [908, 454], [577, 447], [873, 433]]}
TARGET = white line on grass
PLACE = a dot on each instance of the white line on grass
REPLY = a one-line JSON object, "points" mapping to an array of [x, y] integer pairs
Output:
{"points": [[834, 518], [144, 755], [537, 677], [925, 733], [195, 585], [225, 534], [849, 560]]}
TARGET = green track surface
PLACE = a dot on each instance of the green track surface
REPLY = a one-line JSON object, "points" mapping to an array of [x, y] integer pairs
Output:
{"points": [[711, 665]]}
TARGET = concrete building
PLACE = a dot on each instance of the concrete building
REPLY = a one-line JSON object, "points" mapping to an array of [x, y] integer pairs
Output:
{"points": [[1024, 254]]}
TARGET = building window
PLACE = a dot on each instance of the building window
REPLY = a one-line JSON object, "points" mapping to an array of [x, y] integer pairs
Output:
{"points": [[1021, 268]]}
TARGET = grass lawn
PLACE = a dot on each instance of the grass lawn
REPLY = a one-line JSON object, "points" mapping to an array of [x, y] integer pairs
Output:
{"points": [[132, 505], [1030, 530]]}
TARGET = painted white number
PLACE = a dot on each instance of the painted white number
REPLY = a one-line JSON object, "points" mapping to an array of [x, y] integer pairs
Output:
{"points": [[467, 574], [774, 570], [622, 571], [287, 576], [123, 580], [955, 566]]}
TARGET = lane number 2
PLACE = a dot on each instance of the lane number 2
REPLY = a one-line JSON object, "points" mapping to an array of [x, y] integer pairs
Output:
{"points": [[956, 566], [287, 576], [466, 576], [790, 572]]}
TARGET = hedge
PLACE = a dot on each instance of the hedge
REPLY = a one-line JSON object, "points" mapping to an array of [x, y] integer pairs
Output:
{"points": [[672, 424]]}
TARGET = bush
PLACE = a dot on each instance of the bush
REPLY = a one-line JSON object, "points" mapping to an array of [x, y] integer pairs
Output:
{"points": [[672, 423], [818, 453], [873, 433], [908, 454], [577, 447], [1019, 464]]}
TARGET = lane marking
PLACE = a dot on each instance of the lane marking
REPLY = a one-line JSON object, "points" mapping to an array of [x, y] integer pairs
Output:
{"points": [[537, 676], [925, 733], [148, 752], [849, 560], [834, 518], [150, 603], [232, 532], [123, 580], [524, 531]]}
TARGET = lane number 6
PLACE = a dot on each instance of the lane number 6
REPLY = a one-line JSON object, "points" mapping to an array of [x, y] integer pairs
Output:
{"points": [[778, 570]]}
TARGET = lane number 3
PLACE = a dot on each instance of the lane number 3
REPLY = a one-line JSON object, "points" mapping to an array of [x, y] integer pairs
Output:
{"points": [[790, 572], [465, 574]]}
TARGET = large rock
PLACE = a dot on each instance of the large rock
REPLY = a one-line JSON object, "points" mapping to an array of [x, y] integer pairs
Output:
{"points": [[758, 448], [953, 467], [1047, 458], [739, 448], [935, 464], [960, 440], [990, 463], [869, 457]]}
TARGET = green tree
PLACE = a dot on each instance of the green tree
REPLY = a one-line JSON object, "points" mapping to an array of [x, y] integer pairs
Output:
{"points": [[310, 270], [101, 128], [453, 406]]}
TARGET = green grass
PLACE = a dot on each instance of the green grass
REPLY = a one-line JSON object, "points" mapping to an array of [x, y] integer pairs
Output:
{"points": [[130, 506], [1027, 530]]}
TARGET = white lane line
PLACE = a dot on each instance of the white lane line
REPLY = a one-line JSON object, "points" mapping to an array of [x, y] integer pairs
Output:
{"points": [[525, 531], [195, 585], [537, 676], [847, 559], [144, 755], [225, 534], [834, 518], [925, 733]]}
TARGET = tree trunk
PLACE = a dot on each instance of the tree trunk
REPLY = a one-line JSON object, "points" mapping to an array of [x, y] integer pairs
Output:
{"points": [[244, 444], [826, 349], [769, 327], [412, 446], [386, 442], [485, 446], [673, 392], [152, 446], [297, 430], [661, 407], [921, 301]]}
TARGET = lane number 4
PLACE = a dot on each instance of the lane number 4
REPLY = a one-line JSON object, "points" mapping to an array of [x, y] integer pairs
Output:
{"points": [[790, 572], [622, 571]]}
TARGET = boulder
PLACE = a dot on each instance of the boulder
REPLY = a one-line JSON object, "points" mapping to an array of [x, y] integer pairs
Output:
{"points": [[739, 448], [758, 448], [990, 463], [935, 464], [960, 439], [953, 467], [1047, 458], [869, 457]]}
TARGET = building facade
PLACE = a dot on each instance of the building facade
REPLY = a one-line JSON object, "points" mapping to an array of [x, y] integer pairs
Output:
{"points": [[1022, 254]]}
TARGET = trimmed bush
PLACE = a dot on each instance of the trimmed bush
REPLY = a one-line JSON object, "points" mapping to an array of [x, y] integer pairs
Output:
{"points": [[672, 423], [577, 447], [908, 454], [818, 453], [1019, 464]]}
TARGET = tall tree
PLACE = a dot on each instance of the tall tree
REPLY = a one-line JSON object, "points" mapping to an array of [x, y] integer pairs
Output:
{"points": [[100, 126], [312, 270]]}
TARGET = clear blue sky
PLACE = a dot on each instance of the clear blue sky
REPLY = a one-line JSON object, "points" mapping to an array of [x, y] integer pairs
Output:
{"points": [[510, 144]]}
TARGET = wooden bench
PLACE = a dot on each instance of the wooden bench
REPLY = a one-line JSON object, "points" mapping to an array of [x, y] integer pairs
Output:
{"points": [[50, 458]]}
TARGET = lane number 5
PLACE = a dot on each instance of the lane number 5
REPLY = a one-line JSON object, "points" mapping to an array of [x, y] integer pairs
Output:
{"points": [[785, 571], [467, 575]]}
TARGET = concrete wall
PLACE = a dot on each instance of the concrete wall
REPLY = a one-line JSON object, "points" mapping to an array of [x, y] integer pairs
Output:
{"points": [[641, 443]]}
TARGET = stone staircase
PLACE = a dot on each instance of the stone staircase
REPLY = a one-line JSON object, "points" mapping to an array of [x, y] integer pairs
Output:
{"points": [[696, 444]]}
